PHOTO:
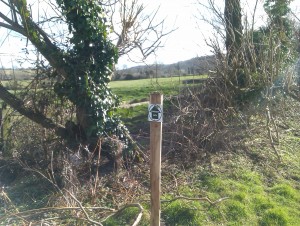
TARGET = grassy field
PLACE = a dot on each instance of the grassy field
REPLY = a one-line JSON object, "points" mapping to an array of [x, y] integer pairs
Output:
{"points": [[131, 91], [139, 90], [18, 74]]}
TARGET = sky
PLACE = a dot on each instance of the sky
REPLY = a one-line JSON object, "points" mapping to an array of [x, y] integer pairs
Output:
{"points": [[188, 40]]}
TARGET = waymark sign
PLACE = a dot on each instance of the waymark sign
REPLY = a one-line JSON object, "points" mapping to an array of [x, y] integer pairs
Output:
{"points": [[155, 112]]}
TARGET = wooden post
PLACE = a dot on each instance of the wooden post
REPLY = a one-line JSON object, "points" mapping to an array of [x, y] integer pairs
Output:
{"points": [[1, 126], [156, 100]]}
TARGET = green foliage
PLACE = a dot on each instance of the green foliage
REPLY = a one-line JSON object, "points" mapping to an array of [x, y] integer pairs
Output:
{"points": [[278, 33], [280, 29], [89, 64], [278, 11], [256, 58]]}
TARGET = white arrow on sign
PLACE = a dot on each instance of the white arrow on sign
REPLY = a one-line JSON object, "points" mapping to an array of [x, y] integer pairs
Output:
{"points": [[155, 113]]}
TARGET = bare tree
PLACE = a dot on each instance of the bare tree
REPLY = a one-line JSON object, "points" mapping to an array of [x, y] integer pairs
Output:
{"points": [[136, 29]]}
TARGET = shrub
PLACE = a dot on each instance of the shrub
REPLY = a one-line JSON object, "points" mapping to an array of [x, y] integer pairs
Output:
{"points": [[129, 77]]}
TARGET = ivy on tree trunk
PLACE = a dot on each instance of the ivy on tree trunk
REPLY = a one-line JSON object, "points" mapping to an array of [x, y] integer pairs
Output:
{"points": [[233, 26], [82, 70]]}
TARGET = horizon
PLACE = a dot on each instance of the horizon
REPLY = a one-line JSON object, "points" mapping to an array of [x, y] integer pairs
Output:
{"points": [[141, 65]]}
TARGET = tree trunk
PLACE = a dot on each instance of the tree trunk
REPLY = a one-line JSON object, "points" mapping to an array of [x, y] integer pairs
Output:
{"points": [[28, 112], [233, 23]]}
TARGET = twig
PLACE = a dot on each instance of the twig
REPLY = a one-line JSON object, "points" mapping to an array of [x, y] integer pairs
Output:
{"points": [[196, 199], [98, 166], [48, 209], [83, 210], [295, 16], [270, 133], [139, 217], [51, 180]]}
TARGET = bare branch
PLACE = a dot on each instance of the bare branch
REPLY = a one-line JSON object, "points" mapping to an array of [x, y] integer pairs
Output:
{"points": [[297, 18], [83, 210], [139, 217], [13, 11], [196, 199], [134, 30], [35, 116], [52, 209], [15, 28], [9, 21]]}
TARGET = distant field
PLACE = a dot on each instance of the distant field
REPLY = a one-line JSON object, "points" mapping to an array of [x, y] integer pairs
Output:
{"points": [[129, 91], [139, 90], [17, 74], [17, 84]]}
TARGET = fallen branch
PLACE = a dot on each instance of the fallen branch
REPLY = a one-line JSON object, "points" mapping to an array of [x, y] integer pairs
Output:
{"points": [[196, 199], [87, 218], [139, 217], [269, 119], [83, 210], [50, 209]]}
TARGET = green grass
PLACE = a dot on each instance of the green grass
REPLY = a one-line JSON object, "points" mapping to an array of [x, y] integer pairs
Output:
{"points": [[135, 118], [18, 74], [183, 213], [255, 197], [16, 84], [132, 91], [250, 202], [275, 216], [139, 90]]}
